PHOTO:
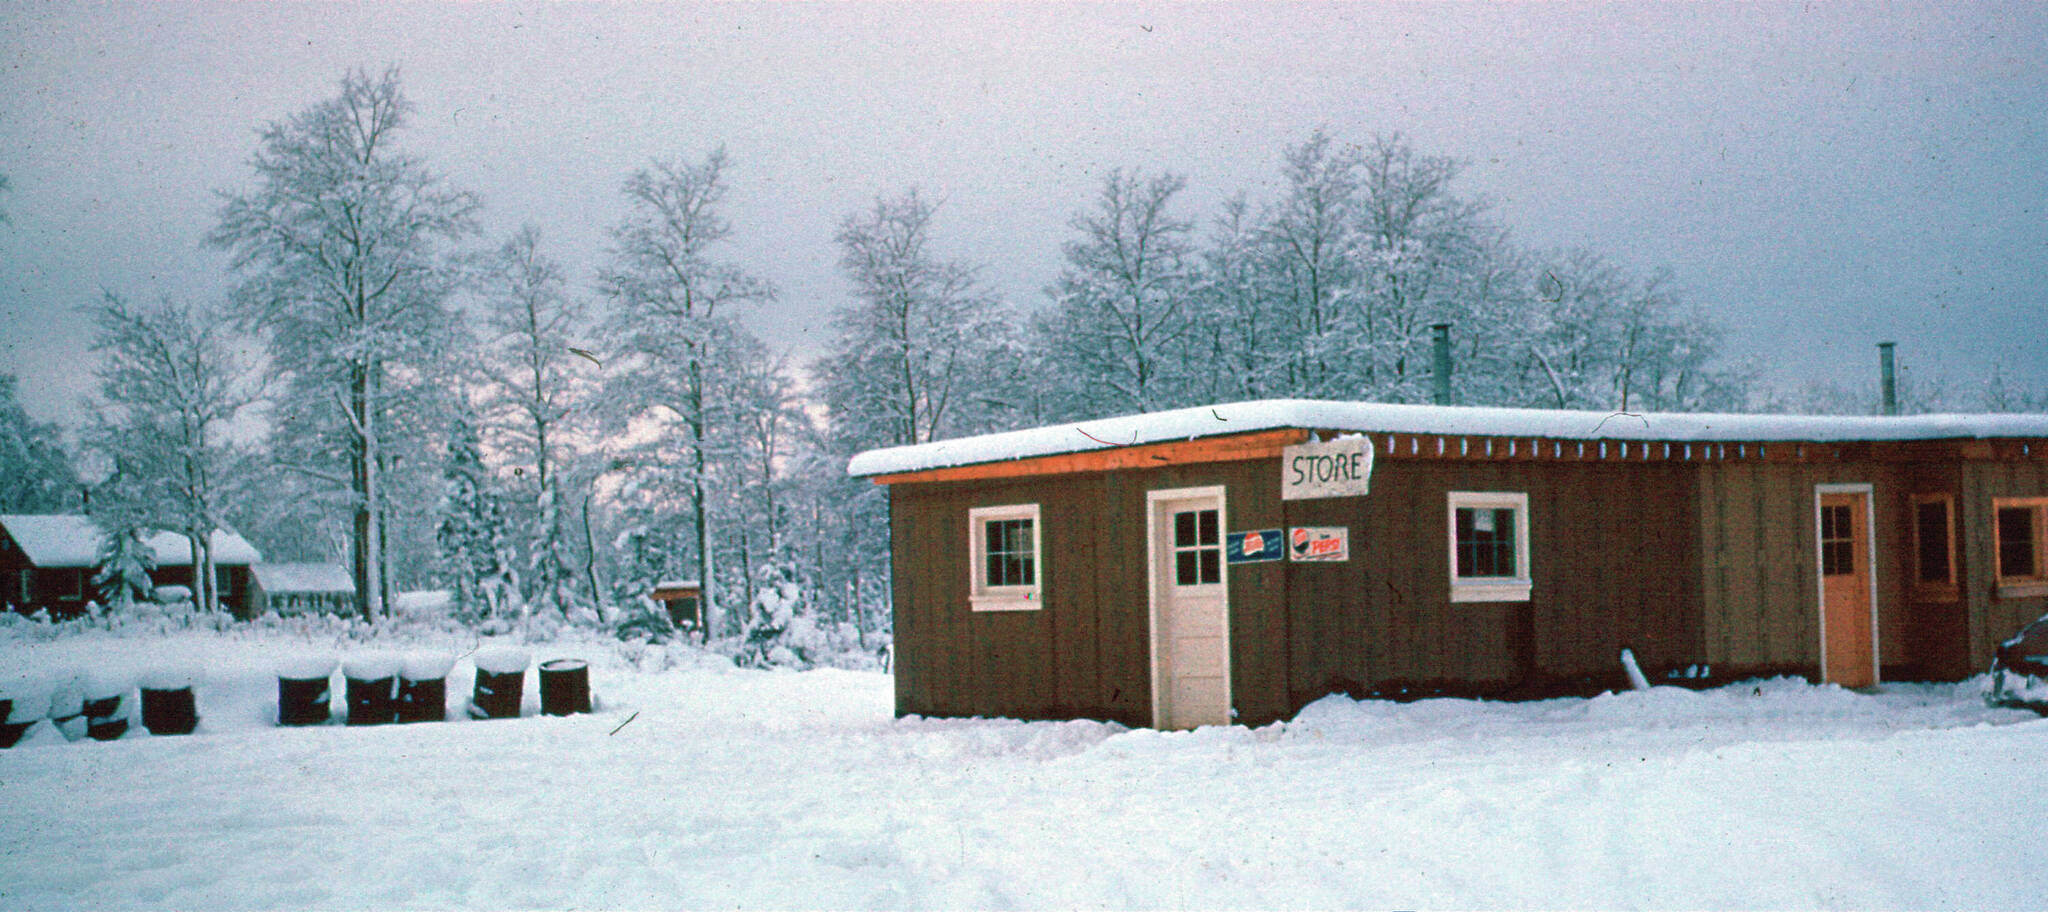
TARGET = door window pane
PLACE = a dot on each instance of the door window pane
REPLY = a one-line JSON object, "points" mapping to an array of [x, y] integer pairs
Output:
{"points": [[1197, 546], [1837, 544]]}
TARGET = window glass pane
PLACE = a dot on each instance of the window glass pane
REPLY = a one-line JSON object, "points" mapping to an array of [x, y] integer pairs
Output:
{"points": [[1931, 521], [1183, 529], [1186, 569], [2016, 542], [1486, 541], [1208, 528], [1837, 547], [1212, 565], [1008, 554]]}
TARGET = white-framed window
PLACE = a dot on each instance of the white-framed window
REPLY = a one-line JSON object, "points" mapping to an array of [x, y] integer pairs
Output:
{"points": [[1005, 557], [2019, 530], [1489, 546]]}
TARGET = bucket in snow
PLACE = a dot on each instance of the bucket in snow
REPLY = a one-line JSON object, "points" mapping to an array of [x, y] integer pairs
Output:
{"points": [[168, 706], [372, 689], [303, 693], [423, 688], [564, 686], [500, 684]]}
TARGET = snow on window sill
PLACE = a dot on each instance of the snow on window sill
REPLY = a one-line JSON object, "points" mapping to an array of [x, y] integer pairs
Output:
{"points": [[2022, 589], [1490, 591], [1023, 601]]}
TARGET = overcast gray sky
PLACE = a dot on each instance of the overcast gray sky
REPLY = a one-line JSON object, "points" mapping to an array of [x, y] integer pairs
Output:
{"points": [[1817, 177]]}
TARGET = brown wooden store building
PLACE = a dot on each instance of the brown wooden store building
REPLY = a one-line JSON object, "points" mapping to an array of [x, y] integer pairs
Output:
{"points": [[1237, 562]]}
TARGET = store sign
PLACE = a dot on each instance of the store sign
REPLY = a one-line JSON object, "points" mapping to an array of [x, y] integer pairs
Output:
{"points": [[1319, 543], [1255, 546], [1332, 468]]}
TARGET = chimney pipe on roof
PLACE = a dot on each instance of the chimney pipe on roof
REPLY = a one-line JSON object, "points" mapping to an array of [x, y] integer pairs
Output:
{"points": [[1440, 385], [1888, 385]]}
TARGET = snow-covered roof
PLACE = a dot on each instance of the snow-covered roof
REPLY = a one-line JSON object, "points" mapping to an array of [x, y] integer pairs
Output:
{"points": [[1273, 414], [302, 578], [74, 541], [678, 584]]}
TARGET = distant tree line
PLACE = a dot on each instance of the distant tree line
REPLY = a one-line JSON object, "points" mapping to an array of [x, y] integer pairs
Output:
{"points": [[444, 411]]}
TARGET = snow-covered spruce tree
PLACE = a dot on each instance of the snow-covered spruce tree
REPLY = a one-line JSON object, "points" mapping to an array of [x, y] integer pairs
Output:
{"points": [[169, 381], [538, 375], [125, 562], [35, 472], [469, 540], [674, 366], [342, 247], [1121, 304]]}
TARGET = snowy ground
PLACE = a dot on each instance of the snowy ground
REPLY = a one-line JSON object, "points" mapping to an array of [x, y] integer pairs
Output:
{"points": [[799, 790]]}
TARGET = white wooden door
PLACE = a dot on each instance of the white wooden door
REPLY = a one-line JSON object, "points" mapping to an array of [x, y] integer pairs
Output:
{"points": [[1190, 609]]}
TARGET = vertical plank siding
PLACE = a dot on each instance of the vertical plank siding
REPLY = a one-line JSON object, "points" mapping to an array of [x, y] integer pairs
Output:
{"points": [[1702, 557]]}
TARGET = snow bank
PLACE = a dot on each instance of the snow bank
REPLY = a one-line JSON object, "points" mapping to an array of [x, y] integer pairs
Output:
{"points": [[707, 786], [1374, 417], [423, 601]]}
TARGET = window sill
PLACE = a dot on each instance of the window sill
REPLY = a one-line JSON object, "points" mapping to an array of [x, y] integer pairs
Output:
{"points": [[1503, 591], [2022, 589], [1028, 602]]}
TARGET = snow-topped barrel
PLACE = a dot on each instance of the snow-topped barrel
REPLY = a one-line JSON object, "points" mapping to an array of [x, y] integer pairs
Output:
{"points": [[500, 683], [169, 706], [564, 686], [423, 687], [304, 693], [372, 682]]}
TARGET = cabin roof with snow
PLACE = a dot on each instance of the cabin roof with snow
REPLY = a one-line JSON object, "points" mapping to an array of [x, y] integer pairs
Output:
{"points": [[1374, 417], [70, 540], [303, 579]]}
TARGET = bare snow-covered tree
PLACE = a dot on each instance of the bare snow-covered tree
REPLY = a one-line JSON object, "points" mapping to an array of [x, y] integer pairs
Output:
{"points": [[908, 362], [1120, 306], [342, 247], [538, 375], [676, 343], [169, 381]]}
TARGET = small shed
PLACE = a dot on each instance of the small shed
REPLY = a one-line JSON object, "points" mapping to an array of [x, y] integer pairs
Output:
{"points": [[300, 588], [1233, 563], [47, 562], [684, 601]]}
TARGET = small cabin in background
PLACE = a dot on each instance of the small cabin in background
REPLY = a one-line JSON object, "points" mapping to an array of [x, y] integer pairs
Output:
{"points": [[684, 601], [300, 588], [1235, 563], [47, 562]]}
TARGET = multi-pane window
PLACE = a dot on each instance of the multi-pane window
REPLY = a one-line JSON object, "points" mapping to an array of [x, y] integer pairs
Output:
{"points": [[1011, 553], [1489, 546], [1197, 548], [1486, 541], [1837, 540], [1006, 557], [2020, 533]]}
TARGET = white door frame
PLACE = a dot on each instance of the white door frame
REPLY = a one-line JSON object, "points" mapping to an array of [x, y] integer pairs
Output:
{"points": [[1152, 593], [1869, 492]]}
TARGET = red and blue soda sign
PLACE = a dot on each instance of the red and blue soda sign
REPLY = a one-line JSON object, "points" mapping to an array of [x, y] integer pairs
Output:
{"points": [[1255, 546]]}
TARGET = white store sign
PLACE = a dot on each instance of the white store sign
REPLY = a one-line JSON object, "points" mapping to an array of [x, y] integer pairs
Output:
{"points": [[1332, 468]]}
